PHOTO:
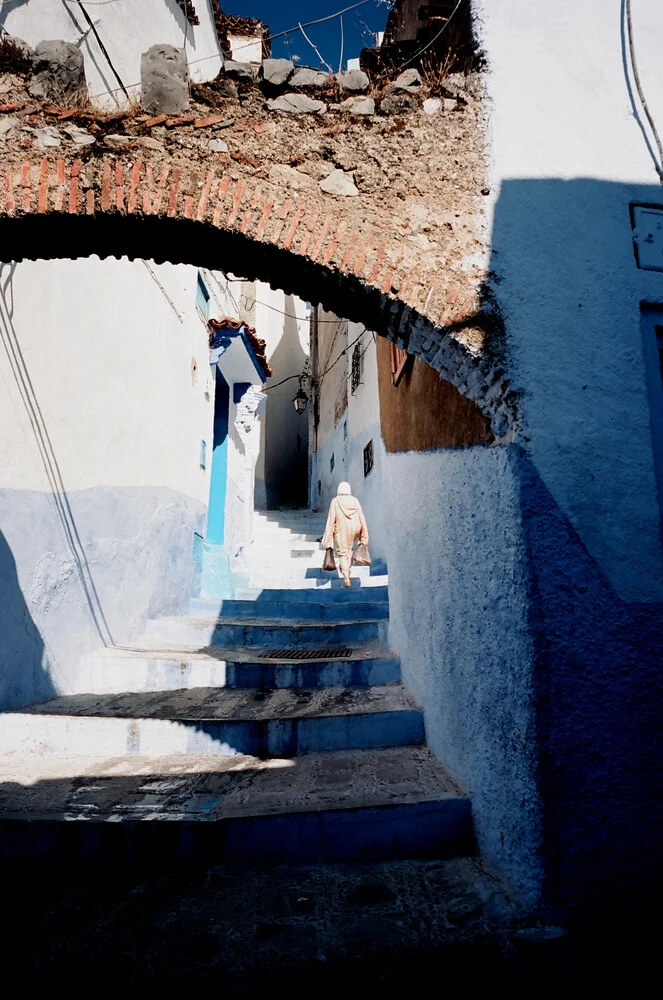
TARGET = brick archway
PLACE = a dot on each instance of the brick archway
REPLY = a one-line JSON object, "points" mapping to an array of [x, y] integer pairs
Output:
{"points": [[54, 208]]}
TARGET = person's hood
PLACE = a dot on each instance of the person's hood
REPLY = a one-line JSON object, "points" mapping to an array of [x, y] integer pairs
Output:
{"points": [[348, 504]]}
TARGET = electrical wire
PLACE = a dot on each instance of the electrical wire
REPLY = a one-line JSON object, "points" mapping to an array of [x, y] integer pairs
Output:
{"points": [[428, 44], [163, 291], [21, 374], [265, 305], [269, 38], [103, 48], [318, 378], [320, 20], [641, 94]]}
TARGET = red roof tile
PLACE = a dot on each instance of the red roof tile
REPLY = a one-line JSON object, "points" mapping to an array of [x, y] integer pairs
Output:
{"points": [[259, 346]]}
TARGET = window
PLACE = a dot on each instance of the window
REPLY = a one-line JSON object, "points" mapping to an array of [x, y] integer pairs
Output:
{"points": [[203, 454], [652, 336], [202, 297], [332, 463], [399, 359], [357, 368], [368, 459]]}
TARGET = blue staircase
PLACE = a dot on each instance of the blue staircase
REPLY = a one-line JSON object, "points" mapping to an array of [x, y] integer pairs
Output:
{"points": [[273, 727]]}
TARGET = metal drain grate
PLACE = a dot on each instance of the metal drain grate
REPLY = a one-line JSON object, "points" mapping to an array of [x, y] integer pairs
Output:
{"points": [[307, 654], [302, 553]]}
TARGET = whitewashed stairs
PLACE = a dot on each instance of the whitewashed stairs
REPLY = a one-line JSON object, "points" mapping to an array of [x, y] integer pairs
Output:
{"points": [[272, 728]]}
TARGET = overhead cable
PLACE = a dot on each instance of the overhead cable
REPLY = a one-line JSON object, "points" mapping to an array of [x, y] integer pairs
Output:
{"points": [[641, 94]]}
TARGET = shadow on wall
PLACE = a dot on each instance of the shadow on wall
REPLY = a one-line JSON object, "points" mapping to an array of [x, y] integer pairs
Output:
{"points": [[534, 636], [590, 510], [285, 437], [23, 647], [598, 692], [21, 374], [87, 557]]}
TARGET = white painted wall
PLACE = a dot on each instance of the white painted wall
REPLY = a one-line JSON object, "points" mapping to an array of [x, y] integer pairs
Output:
{"points": [[566, 158], [347, 438], [282, 321], [245, 49], [108, 355], [105, 397], [127, 28], [516, 587]]}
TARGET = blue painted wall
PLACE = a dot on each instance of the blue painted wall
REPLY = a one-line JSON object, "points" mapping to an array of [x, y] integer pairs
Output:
{"points": [[126, 556]]}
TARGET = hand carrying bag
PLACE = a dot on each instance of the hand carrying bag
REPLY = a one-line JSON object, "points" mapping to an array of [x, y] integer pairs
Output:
{"points": [[329, 561], [362, 556]]}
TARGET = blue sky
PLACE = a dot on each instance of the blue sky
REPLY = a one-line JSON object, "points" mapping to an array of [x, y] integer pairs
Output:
{"points": [[283, 14]]}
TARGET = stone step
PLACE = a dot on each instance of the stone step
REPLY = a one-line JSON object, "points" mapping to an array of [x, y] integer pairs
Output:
{"points": [[281, 723], [283, 537], [148, 811], [276, 529], [121, 669], [340, 595], [293, 573], [266, 633], [313, 580], [320, 610]]}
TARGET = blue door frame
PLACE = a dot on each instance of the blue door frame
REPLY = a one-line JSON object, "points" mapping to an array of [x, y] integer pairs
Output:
{"points": [[216, 517]]}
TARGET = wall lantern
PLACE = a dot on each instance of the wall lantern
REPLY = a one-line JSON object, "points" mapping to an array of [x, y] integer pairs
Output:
{"points": [[300, 400]]}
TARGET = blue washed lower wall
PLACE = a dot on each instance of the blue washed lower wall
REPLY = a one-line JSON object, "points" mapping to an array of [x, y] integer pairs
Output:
{"points": [[599, 704], [542, 690], [459, 620], [70, 577]]}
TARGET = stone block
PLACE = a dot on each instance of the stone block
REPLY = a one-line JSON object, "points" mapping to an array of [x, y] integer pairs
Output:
{"points": [[398, 103], [297, 104], [58, 74], [359, 105], [432, 105], [339, 183], [355, 81], [310, 78], [240, 71], [25, 50], [79, 136], [164, 80], [410, 81], [47, 136], [226, 88], [275, 73]]}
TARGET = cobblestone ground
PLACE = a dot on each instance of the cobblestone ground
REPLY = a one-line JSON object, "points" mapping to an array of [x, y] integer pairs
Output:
{"points": [[334, 927]]}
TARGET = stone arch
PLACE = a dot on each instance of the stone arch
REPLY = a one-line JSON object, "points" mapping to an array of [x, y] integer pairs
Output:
{"points": [[131, 208]]}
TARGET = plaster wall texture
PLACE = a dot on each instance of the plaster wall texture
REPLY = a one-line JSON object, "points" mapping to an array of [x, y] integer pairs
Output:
{"points": [[280, 320], [245, 50], [127, 30], [534, 642], [566, 158], [242, 452], [101, 488], [459, 620]]}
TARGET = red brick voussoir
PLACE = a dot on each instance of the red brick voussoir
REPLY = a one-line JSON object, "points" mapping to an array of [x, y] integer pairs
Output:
{"points": [[259, 210], [429, 307]]}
